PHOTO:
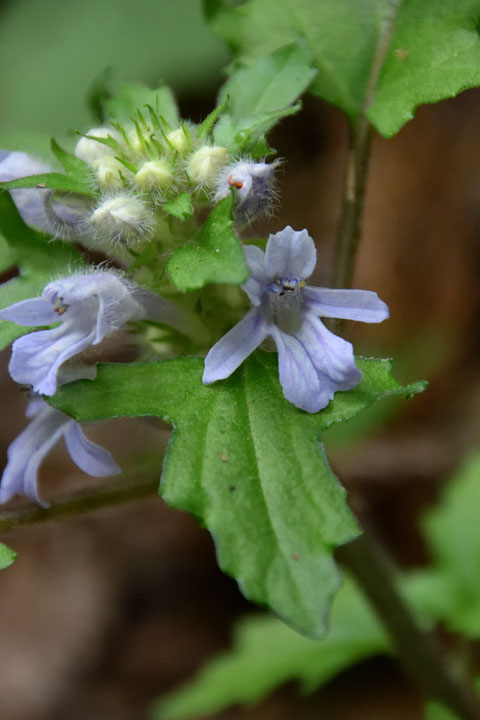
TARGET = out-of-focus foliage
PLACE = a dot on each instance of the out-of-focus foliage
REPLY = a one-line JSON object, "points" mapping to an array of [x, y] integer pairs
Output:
{"points": [[51, 53], [7, 556], [434, 52]]}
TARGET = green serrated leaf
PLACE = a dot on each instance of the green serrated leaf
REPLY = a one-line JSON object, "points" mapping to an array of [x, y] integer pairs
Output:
{"points": [[131, 98], [434, 52], [180, 207], [249, 465], [37, 258], [214, 256], [7, 556], [266, 653]]}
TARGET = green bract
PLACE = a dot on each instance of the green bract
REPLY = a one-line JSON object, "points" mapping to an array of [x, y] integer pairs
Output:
{"points": [[214, 256]]}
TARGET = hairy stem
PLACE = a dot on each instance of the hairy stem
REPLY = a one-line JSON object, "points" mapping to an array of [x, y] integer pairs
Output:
{"points": [[422, 657], [84, 501]]}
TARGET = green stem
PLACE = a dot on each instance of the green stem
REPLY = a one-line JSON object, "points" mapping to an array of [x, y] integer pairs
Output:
{"points": [[420, 654], [355, 182], [84, 501]]}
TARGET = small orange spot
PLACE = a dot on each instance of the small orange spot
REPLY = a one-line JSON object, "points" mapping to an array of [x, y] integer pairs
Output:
{"points": [[295, 556], [401, 53], [60, 310], [235, 183], [222, 457]]}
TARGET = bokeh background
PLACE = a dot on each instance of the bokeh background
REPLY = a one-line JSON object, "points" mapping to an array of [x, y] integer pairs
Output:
{"points": [[103, 613]]}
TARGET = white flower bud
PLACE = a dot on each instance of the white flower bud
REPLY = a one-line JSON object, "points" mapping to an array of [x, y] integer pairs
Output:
{"points": [[108, 171], [90, 150], [153, 175], [206, 163], [179, 140], [124, 218]]}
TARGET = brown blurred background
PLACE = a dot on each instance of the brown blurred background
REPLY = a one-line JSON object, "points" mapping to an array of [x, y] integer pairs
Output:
{"points": [[100, 614]]}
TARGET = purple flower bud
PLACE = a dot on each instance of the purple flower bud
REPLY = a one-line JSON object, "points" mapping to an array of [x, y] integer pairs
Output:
{"points": [[313, 362], [254, 182], [87, 309], [28, 450]]}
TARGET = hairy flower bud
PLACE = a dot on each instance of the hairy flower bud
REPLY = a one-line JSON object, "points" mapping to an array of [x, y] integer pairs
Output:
{"points": [[254, 183], [90, 150], [178, 140], [153, 175], [108, 172], [124, 218], [205, 164]]}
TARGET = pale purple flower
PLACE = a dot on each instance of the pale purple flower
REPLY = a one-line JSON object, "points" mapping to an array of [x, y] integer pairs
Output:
{"points": [[313, 362], [87, 308], [52, 212], [254, 182], [28, 450]]}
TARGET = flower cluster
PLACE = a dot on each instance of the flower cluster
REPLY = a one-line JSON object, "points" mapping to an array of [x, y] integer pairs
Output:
{"points": [[138, 171]]}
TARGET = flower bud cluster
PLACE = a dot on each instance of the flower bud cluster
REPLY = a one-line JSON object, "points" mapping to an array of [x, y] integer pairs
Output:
{"points": [[141, 165]]}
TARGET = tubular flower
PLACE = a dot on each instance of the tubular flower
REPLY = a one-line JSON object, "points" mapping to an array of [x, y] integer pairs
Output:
{"points": [[53, 212], [88, 308], [254, 182], [28, 450], [313, 362]]}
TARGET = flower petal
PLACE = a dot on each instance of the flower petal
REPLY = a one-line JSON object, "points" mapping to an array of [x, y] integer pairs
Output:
{"points": [[331, 355], [290, 254], [37, 357], [255, 284], [232, 349], [32, 313], [314, 364], [89, 457], [26, 453], [362, 305], [298, 377]]}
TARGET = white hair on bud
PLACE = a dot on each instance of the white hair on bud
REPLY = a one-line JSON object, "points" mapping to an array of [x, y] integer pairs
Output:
{"points": [[123, 218]]}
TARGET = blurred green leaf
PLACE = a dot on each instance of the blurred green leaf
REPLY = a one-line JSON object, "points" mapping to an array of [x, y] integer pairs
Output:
{"points": [[434, 52], [7, 556], [214, 256], [451, 530], [266, 653], [436, 711], [51, 52]]}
